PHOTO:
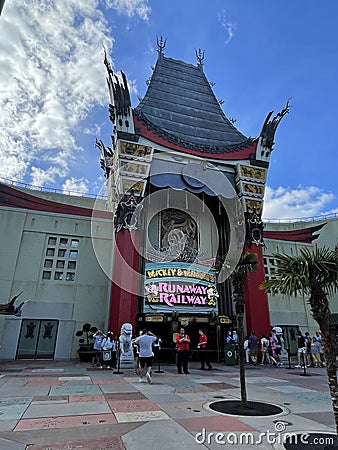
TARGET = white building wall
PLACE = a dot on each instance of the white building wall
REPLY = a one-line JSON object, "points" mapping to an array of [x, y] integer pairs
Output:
{"points": [[24, 239], [295, 310]]}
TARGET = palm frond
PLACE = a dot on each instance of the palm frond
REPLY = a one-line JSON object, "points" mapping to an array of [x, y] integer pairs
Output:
{"points": [[308, 272]]}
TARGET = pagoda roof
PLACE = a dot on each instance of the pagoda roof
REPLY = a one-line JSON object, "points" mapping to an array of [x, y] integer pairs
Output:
{"points": [[180, 106]]}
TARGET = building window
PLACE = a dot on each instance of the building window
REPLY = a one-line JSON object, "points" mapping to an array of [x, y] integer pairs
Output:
{"points": [[73, 254], [60, 258], [270, 265]]}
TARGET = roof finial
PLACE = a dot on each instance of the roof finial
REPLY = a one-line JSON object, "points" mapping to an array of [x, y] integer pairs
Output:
{"points": [[200, 57], [106, 61], [160, 45]]}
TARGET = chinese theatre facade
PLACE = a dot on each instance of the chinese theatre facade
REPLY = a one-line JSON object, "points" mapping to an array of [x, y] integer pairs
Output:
{"points": [[186, 188]]}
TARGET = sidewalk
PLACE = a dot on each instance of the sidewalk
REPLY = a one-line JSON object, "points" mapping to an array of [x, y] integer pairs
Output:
{"points": [[54, 405]]}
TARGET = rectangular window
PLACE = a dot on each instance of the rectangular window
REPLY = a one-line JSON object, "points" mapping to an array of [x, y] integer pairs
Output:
{"points": [[50, 251], [52, 241], [71, 265], [48, 263], [60, 264], [74, 243], [73, 254], [63, 242], [46, 275], [62, 253], [70, 276], [58, 276]]}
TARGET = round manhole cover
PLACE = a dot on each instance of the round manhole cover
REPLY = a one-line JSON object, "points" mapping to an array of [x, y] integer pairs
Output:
{"points": [[235, 408]]}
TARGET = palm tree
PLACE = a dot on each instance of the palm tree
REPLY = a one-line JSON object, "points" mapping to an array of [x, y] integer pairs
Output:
{"points": [[314, 274], [248, 263]]}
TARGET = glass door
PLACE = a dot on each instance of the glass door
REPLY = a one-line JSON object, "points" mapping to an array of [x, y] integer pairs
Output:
{"points": [[37, 339]]}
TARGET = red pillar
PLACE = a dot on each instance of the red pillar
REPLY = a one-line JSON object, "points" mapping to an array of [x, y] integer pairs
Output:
{"points": [[256, 299], [124, 290]]}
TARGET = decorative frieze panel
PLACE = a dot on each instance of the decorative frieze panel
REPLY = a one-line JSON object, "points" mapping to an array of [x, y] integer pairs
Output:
{"points": [[142, 152]]}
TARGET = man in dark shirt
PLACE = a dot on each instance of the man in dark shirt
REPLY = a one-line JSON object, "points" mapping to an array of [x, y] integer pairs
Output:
{"points": [[253, 346], [301, 341], [203, 351]]}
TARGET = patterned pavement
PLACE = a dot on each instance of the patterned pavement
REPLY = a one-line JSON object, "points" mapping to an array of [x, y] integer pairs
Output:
{"points": [[53, 405]]}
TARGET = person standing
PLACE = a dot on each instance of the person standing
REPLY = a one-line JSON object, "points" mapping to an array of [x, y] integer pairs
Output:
{"points": [[316, 347], [183, 347], [203, 351], [157, 348], [265, 351], [253, 346], [145, 345], [246, 349], [97, 355], [301, 343], [136, 354], [107, 347]]}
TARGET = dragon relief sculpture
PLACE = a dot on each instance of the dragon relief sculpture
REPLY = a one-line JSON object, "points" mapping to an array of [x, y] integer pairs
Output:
{"points": [[10, 309]]}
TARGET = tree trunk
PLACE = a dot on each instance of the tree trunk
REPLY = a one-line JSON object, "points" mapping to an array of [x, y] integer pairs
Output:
{"points": [[241, 359], [321, 312]]}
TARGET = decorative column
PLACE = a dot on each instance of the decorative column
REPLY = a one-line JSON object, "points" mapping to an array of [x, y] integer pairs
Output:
{"points": [[124, 290]]}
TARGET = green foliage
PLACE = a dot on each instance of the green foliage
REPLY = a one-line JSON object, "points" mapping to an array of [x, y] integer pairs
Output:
{"points": [[248, 262], [307, 273]]}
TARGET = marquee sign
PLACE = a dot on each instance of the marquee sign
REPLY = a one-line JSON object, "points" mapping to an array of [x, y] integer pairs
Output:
{"points": [[180, 287]]}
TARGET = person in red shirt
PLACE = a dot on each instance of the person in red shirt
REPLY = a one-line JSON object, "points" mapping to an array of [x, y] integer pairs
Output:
{"points": [[202, 346], [183, 347]]}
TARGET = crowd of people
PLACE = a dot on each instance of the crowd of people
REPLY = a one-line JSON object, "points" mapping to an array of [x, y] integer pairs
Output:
{"points": [[271, 348], [266, 350], [310, 350], [105, 350], [147, 345]]}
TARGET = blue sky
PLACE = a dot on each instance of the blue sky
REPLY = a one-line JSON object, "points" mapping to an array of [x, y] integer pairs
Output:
{"points": [[54, 100]]}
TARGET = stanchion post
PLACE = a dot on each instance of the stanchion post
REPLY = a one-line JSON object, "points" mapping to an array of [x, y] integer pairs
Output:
{"points": [[118, 352], [305, 374], [289, 351], [159, 362]]}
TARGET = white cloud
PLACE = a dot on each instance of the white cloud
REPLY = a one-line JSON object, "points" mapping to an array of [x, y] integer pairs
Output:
{"points": [[131, 7], [52, 75], [229, 27], [285, 203], [75, 186]]}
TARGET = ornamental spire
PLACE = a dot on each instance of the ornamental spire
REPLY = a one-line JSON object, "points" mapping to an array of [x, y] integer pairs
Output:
{"points": [[160, 45], [199, 57]]}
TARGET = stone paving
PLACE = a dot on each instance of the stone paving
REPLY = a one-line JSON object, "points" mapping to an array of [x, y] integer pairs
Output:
{"points": [[53, 405]]}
